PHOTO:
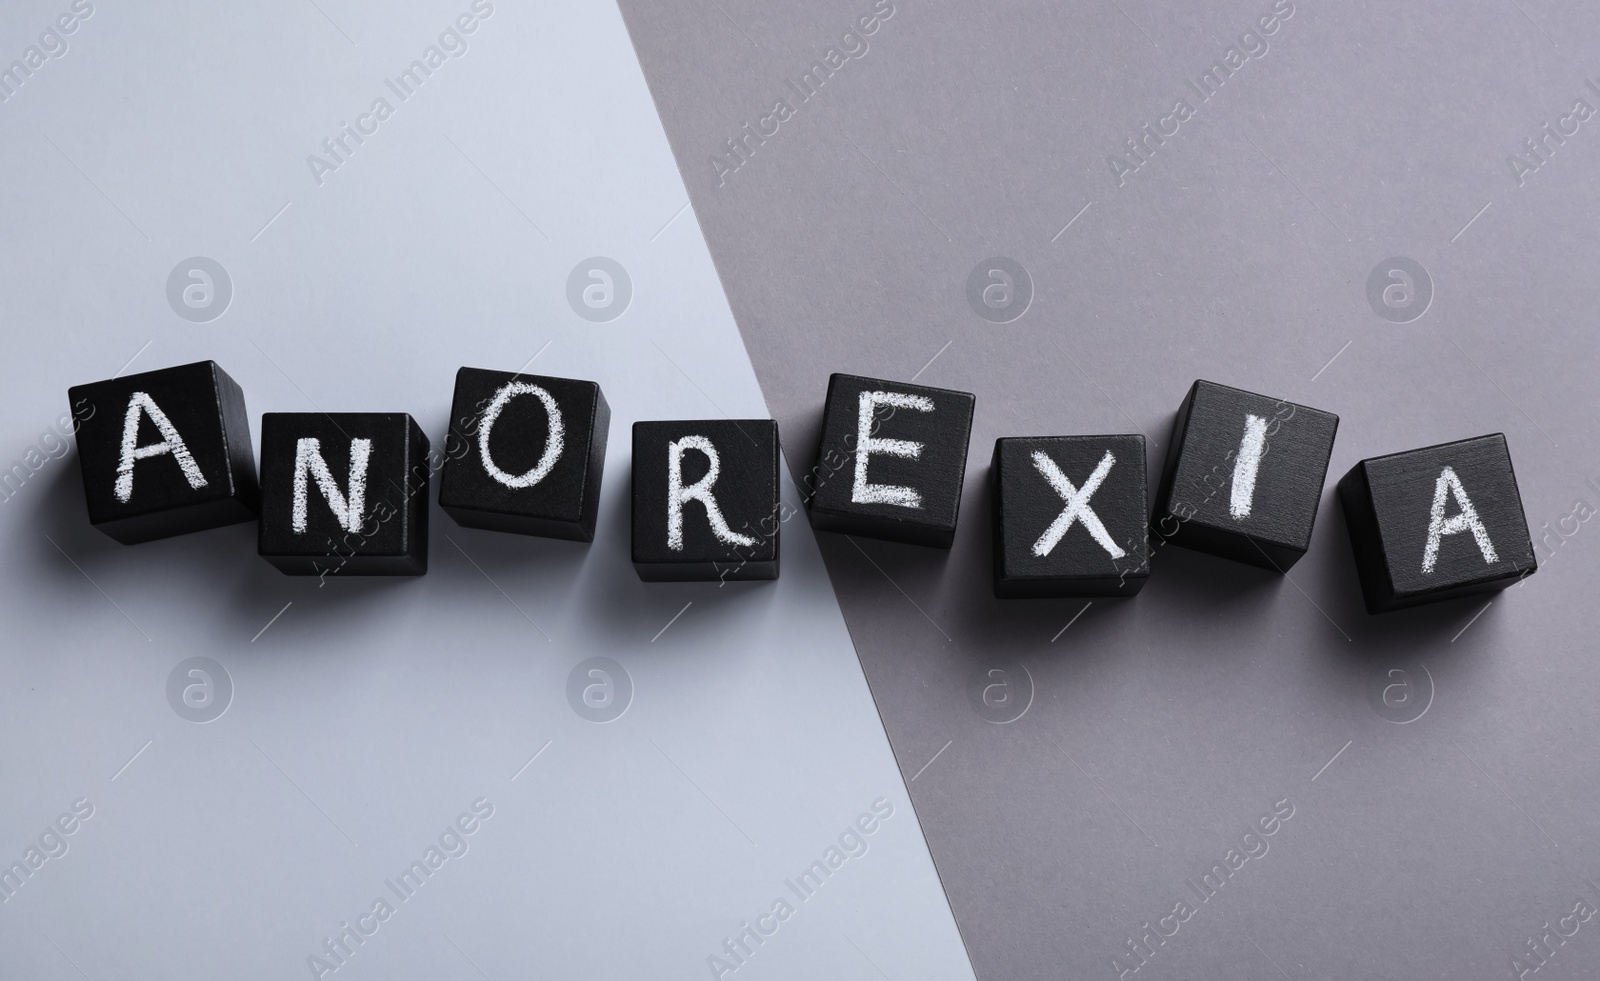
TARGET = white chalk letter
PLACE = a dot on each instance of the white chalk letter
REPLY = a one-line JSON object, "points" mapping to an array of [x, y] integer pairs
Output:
{"points": [[866, 443], [553, 441], [1077, 508], [1245, 466], [349, 511], [679, 495], [1440, 526], [171, 442]]}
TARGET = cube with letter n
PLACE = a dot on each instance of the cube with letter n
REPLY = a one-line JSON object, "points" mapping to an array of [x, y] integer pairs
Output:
{"points": [[344, 493]]}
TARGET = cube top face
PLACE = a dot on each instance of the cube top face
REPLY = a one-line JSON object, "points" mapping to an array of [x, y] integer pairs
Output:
{"points": [[1449, 516], [1071, 516], [165, 452], [705, 499], [344, 492], [525, 453], [892, 460], [1243, 464]]}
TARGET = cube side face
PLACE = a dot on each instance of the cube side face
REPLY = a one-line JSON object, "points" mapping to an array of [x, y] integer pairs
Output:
{"points": [[1235, 547], [1245, 479], [740, 541], [902, 498], [1029, 508], [866, 526], [191, 464], [1116, 587], [597, 467], [1431, 546], [1372, 568], [739, 571], [516, 489], [1169, 465], [323, 531], [236, 430]]}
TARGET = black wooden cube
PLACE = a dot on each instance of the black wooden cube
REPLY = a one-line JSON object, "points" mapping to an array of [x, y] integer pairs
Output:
{"points": [[1437, 523], [525, 454], [165, 452], [705, 500], [344, 493], [1070, 516], [1244, 475], [892, 460]]}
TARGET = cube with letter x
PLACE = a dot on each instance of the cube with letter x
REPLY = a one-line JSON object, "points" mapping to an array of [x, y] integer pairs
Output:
{"points": [[344, 493], [525, 454], [892, 460], [165, 452], [1069, 516], [1437, 523], [1244, 476], [705, 500]]}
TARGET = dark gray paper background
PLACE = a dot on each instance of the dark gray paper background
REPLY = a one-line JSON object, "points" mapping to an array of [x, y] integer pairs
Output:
{"points": [[1440, 762]]}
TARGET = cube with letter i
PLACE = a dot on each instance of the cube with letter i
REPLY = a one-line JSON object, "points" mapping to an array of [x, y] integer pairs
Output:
{"points": [[1070, 516], [705, 500], [1243, 477], [892, 460], [165, 452], [525, 454], [1436, 523], [344, 493]]}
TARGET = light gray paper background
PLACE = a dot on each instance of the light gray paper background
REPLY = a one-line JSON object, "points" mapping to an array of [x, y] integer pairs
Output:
{"points": [[1161, 728], [367, 714]]}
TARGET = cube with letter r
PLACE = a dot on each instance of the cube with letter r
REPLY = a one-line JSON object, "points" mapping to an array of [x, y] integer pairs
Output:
{"points": [[892, 460], [165, 452], [344, 493], [705, 500]]}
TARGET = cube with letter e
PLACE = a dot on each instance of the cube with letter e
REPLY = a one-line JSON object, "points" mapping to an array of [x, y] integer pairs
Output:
{"points": [[892, 460]]}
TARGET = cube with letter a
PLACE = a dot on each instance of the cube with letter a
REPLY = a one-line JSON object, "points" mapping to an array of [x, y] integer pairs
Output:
{"points": [[165, 452], [344, 493], [1436, 523], [892, 460], [1244, 474], [1070, 516]]}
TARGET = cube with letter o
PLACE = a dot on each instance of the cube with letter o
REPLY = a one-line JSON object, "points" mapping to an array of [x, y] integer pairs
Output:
{"points": [[525, 454]]}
